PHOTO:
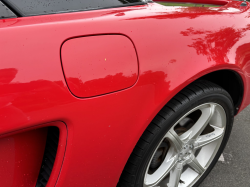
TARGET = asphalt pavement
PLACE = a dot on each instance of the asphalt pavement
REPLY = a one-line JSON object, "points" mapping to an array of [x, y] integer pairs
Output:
{"points": [[233, 168]]}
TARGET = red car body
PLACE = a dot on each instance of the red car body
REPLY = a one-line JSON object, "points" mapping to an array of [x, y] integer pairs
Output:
{"points": [[174, 46]]}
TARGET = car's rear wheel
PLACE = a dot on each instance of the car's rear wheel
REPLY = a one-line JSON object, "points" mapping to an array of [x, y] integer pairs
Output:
{"points": [[184, 141]]}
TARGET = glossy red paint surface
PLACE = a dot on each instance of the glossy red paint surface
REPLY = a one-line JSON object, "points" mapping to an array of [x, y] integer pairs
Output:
{"points": [[20, 159], [96, 65], [175, 46]]}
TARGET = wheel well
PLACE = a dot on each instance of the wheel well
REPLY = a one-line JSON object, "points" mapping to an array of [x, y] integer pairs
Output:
{"points": [[231, 82]]}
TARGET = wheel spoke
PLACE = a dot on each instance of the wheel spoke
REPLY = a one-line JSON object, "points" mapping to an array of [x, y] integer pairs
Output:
{"points": [[209, 138], [161, 172], [193, 163], [175, 140], [200, 125], [175, 175]]}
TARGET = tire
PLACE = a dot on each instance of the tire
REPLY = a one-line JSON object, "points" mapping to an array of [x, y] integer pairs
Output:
{"points": [[186, 138]]}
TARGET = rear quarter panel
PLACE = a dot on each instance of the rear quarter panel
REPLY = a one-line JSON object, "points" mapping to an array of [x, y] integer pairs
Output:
{"points": [[175, 46]]}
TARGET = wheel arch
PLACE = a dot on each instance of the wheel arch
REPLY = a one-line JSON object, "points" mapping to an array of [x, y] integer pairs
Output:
{"points": [[171, 107], [231, 81], [228, 77]]}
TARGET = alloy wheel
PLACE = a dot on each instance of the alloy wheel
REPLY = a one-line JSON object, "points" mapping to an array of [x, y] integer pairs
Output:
{"points": [[192, 143]]}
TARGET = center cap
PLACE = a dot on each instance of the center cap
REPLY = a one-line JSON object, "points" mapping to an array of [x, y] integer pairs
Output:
{"points": [[185, 152]]}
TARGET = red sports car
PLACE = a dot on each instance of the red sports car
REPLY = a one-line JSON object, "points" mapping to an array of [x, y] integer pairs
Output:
{"points": [[119, 93]]}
